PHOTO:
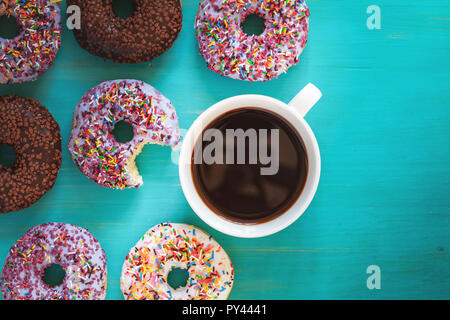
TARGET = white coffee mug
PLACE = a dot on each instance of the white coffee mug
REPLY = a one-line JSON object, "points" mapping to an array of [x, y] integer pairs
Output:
{"points": [[294, 112]]}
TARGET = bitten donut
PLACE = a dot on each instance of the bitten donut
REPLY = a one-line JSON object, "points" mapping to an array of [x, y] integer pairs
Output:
{"points": [[232, 53], [32, 52], [31, 131], [71, 247], [146, 34], [169, 246], [93, 146]]}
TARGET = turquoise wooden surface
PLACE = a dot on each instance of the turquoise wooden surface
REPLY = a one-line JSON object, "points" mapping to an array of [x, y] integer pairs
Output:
{"points": [[383, 128]]}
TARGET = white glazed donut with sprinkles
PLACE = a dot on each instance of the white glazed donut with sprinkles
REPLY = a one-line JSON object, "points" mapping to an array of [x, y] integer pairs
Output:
{"points": [[232, 53], [168, 246], [71, 247], [32, 52], [93, 146]]}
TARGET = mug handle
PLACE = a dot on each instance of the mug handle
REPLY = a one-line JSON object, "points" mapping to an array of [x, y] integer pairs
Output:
{"points": [[306, 99]]}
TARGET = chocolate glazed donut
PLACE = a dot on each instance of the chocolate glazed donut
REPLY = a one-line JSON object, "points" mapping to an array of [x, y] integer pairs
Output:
{"points": [[146, 34], [30, 129]]}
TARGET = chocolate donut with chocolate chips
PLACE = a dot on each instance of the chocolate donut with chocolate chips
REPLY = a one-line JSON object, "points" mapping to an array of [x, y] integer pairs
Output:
{"points": [[141, 37], [30, 129]]}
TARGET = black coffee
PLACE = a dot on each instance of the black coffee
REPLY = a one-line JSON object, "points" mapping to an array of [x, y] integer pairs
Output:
{"points": [[245, 187]]}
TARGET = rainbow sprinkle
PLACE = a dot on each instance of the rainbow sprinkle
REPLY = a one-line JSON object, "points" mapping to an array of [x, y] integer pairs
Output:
{"points": [[94, 149], [168, 246], [31, 53], [72, 247], [232, 53]]}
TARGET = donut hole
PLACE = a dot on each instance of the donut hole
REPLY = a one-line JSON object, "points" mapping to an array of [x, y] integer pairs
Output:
{"points": [[177, 278], [54, 275], [8, 156], [253, 25], [123, 132], [9, 28], [123, 8]]}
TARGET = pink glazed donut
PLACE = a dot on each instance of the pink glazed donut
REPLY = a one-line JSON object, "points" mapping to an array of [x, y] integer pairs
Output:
{"points": [[72, 247], [32, 52], [232, 53], [93, 147]]}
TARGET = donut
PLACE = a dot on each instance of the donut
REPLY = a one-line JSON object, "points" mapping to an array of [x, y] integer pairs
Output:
{"points": [[147, 33], [71, 247], [230, 52], [93, 147], [31, 131], [170, 246], [32, 52]]}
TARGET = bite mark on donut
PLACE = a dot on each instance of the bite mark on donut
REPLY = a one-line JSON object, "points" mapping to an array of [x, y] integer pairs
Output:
{"points": [[132, 168], [95, 150]]}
